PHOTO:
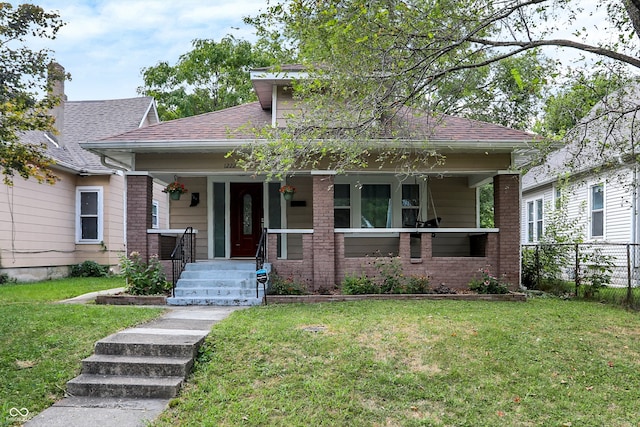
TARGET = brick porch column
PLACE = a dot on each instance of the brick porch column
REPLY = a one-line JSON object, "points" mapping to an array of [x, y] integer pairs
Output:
{"points": [[506, 203], [323, 232], [139, 201]]}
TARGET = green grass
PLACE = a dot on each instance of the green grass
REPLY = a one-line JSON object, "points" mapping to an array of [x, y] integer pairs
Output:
{"points": [[418, 363], [42, 343], [56, 290]]}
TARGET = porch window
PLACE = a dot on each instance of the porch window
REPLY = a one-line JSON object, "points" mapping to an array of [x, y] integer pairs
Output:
{"points": [[597, 210], [375, 206], [410, 204], [155, 207], [89, 215], [534, 220], [342, 206]]}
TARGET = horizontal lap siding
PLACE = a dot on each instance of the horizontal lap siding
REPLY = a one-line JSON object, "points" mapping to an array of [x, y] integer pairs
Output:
{"points": [[37, 226], [370, 246], [183, 215], [37, 223], [454, 202], [618, 207], [299, 216]]}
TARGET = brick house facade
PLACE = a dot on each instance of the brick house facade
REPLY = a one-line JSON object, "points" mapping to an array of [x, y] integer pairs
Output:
{"points": [[336, 223]]}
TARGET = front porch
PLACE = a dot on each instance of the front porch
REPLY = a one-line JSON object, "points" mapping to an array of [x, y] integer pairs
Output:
{"points": [[333, 227]]}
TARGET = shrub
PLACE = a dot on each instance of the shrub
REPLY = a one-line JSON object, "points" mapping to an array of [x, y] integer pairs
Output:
{"points": [[143, 278], [390, 272], [5, 279], [89, 269], [359, 285], [288, 286], [596, 273], [487, 283], [417, 285]]}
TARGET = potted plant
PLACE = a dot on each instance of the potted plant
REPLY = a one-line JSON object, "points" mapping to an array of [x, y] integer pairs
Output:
{"points": [[175, 190], [288, 191]]}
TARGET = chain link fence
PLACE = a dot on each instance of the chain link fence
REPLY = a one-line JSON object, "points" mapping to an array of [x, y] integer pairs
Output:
{"points": [[608, 272]]}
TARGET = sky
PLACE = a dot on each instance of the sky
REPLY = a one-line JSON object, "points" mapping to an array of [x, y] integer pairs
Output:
{"points": [[106, 43]]}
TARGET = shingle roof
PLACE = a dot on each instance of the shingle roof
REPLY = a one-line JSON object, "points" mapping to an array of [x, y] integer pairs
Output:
{"points": [[236, 123], [90, 120], [606, 134]]}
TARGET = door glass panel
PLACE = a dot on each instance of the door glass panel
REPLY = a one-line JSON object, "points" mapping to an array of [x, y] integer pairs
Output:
{"points": [[247, 223]]}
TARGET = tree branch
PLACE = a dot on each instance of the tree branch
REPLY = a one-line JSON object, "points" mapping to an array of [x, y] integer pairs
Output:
{"points": [[561, 43]]}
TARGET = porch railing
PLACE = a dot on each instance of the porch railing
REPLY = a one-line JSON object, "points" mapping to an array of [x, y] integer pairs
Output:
{"points": [[183, 253]]}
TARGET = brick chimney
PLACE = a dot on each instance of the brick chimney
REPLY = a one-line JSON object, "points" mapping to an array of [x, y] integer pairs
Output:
{"points": [[56, 87]]}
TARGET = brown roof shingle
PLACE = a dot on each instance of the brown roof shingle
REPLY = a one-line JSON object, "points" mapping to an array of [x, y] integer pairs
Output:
{"points": [[237, 123]]}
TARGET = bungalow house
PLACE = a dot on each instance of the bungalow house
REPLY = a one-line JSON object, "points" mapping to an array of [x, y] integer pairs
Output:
{"points": [[593, 177], [334, 223], [44, 228]]}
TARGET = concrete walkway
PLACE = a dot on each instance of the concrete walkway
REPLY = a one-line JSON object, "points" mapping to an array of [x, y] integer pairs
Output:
{"points": [[122, 412]]}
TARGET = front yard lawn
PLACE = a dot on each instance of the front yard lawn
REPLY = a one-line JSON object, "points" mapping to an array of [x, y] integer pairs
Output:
{"points": [[42, 343], [417, 363]]}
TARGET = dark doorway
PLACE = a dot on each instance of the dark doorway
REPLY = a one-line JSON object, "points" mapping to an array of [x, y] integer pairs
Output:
{"points": [[246, 218]]}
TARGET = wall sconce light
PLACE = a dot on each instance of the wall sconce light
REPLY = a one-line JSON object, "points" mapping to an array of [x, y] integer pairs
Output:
{"points": [[195, 199]]}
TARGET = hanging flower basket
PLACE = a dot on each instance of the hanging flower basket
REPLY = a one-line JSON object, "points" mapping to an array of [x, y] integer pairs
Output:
{"points": [[175, 190], [288, 191]]}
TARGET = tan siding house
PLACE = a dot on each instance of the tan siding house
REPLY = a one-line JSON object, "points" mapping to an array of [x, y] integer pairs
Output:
{"points": [[44, 229]]}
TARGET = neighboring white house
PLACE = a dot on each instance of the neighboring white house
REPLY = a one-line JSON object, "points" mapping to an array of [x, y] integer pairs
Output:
{"points": [[600, 171], [596, 174]]}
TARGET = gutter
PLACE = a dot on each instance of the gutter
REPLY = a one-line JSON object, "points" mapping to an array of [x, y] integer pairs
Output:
{"points": [[120, 166]]}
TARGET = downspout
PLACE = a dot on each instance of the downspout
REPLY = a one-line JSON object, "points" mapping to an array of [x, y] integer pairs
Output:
{"points": [[122, 168]]}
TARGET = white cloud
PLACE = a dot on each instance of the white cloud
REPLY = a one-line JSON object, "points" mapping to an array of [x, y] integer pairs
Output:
{"points": [[106, 43]]}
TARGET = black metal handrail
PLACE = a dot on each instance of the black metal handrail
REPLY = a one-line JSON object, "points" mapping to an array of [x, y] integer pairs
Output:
{"points": [[261, 255], [261, 252], [183, 254]]}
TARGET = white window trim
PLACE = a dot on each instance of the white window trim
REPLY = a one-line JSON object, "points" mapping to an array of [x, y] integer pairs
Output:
{"points": [[534, 237], [603, 210], [90, 189]]}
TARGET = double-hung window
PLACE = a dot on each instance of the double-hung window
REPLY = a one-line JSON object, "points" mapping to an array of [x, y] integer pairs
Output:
{"points": [[155, 220], [342, 205], [89, 215], [534, 220], [410, 205], [597, 210]]}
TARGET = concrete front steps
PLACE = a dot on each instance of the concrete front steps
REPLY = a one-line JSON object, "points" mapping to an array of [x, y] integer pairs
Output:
{"points": [[218, 282], [149, 362]]}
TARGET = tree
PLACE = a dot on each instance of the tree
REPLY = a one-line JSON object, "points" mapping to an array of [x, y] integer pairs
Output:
{"points": [[212, 76], [23, 75], [384, 55], [563, 111]]}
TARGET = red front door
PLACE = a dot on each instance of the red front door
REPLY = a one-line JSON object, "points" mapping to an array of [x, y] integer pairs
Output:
{"points": [[246, 218]]}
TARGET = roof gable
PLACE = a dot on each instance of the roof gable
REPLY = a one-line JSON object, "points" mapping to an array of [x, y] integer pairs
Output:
{"points": [[89, 120]]}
